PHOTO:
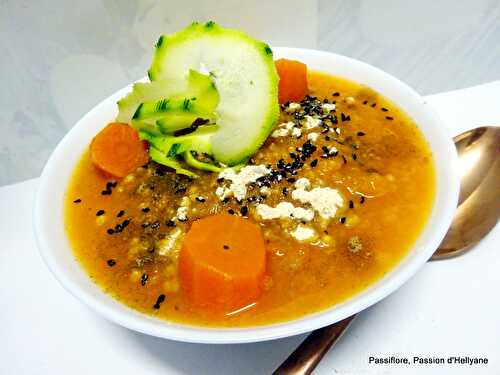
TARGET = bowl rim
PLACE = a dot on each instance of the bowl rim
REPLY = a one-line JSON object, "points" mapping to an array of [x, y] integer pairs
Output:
{"points": [[127, 317]]}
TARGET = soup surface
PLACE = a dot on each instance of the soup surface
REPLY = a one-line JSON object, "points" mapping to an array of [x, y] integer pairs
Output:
{"points": [[359, 181]]}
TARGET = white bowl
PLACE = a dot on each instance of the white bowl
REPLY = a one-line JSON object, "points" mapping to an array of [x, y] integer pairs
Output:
{"points": [[55, 248]]}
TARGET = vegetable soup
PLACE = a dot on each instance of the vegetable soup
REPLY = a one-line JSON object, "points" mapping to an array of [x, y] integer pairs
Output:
{"points": [[328, 201]]}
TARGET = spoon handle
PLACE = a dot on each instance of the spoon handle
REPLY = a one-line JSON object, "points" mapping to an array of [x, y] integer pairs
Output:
{"points": [[306, 357]]}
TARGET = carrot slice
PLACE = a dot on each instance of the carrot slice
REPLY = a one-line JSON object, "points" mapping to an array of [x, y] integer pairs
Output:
{"points": [[117, 150], [222, 262], [293, 80]]}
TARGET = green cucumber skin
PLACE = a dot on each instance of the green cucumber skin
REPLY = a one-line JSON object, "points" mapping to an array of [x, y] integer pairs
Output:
{"points": [[167, 99], [161, 158], [269, 117], [146, 92], [193, 162], [165, 108]]}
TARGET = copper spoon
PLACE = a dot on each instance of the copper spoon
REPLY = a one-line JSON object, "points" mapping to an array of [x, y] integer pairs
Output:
{"points": [[477, 213]]}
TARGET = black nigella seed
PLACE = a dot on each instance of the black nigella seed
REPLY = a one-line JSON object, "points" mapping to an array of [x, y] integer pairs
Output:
{"points": [[384, 109], [110, 231], [170, 223], [342, 220], [291, 180], [154, 225], [354, 156], [99, 213], [159, 172], [159, 301], [336, 94], [200, 199], [219, 180], [285, 191], [389, 118], [144, 279], [374, 105], [344, 117], [180, 189], [314, 163], [225, 247], [327, 138], [145, 209], [365, 102], [344, 159], [77, 200], [362, 200], [111, 262], [360, 134], [351, 204], [121, 213], [230, 211], [244, 210], [106, 192]]}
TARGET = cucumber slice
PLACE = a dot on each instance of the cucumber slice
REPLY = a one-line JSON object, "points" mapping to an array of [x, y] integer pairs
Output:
{"points": [[172, 115], [145, 92], [195, 163], [198, 141], [176, 102], [244, 74], [159, 157]]}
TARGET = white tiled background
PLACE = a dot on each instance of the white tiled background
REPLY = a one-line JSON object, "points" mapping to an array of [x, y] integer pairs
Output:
{"points": [[59, 58]]}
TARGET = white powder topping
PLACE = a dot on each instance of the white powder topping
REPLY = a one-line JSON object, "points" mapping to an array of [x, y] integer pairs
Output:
{"points": [[312, 122], [240, 180], [182, 213], [296, 132], [223, 192], [313, 136], [302, 183], [168, 244], [292, 107], [332, 150], [279, 133], [337, 130], [302, 233], [284, 210], [325, 201], [264, 190], [328, 107], [283, 129]]}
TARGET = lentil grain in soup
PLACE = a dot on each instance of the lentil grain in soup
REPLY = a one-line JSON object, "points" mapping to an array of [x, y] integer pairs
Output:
{"points": [[341, 190]]}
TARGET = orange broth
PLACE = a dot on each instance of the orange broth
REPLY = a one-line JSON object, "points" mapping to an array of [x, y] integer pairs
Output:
{"points": [[387, 182]]}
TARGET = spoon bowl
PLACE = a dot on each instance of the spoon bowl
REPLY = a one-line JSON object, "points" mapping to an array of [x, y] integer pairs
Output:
{"points": [[479, 200]]}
